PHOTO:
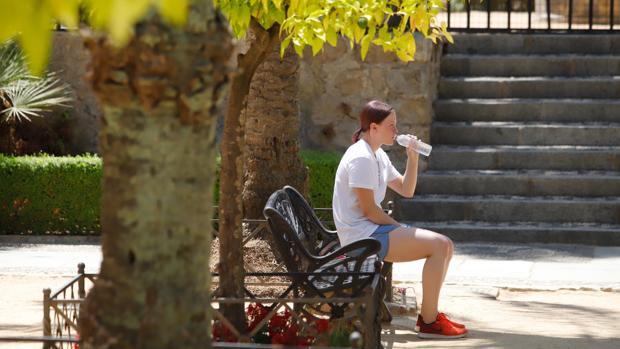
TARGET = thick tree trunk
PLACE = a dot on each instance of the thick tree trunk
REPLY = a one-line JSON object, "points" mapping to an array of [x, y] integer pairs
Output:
{"points": [[158, 148], [272, 132], [231, 208]]}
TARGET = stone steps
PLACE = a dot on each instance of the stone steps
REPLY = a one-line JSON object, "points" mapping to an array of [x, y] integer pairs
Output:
{"points": [[527, 232], [520, 133], [529, 87], [530, 109], [507, 44], [520, 183], [526, 141], [509, 157], [506, 208], [568, 65]]}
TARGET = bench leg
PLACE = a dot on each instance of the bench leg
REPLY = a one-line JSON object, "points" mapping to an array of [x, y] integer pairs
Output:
{"points": [[386, 273], [372, 334]]}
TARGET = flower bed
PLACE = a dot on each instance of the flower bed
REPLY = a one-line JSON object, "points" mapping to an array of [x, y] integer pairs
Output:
{"points": [[287, 328]]}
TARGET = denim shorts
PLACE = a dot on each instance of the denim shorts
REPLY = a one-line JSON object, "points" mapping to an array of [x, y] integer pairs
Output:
{"points": [[382, 234]]}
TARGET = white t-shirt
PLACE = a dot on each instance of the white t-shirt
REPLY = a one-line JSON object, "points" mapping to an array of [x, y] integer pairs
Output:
{"points": [[359, 168]]}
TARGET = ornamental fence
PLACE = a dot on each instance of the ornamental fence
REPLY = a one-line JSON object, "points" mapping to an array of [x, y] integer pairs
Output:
{"points": [[565, 16]]}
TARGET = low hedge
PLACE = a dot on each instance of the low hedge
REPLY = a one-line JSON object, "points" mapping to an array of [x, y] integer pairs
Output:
{"points": [[47, 194], [41, 194]]}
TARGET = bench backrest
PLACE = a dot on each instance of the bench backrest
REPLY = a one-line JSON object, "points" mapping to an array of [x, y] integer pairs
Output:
{"points": [[288, 232], [316, 238]]}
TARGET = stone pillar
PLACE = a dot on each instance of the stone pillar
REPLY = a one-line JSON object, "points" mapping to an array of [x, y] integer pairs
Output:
{"points": [[80, 123]]}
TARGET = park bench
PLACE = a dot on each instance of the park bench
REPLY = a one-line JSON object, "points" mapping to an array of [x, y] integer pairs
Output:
{"points": [[320, 241], [351, 271]]}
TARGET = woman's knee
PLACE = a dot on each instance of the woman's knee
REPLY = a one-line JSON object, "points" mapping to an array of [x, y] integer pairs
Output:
{"points": [[444, 246]]}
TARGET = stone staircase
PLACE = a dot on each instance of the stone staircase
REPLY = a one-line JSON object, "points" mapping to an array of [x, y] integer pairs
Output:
{"points": [[526, 141]]}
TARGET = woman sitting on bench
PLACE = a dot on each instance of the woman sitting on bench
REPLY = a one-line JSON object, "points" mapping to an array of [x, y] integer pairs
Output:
{"points": [[364, 173]]}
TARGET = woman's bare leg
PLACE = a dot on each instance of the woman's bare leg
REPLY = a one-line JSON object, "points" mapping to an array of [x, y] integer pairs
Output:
{"points": [[410, 244]]}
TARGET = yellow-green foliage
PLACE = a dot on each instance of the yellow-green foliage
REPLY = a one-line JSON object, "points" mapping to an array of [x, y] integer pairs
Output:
{"points": [[43, 194], [303, 22], [363, 22], [33, 20]]}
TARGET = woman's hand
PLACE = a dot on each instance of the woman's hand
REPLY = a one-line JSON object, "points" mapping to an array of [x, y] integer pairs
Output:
{"points": [[411, 153]]}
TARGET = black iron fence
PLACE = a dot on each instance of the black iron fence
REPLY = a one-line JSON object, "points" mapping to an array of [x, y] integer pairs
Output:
{"points": [[586, 16]]}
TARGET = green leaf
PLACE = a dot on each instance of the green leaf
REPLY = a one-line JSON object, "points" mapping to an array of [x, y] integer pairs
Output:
{"points": [[284, 45], [320, 33], [317, 45], [36, 39], [175, 11], [366, 41], [123, 15], [66, 11], [332, 36], [444, 30], [299, 49]]}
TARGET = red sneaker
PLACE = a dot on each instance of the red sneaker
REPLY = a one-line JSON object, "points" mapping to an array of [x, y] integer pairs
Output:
{"points": [[442, 315], [442, 328]]}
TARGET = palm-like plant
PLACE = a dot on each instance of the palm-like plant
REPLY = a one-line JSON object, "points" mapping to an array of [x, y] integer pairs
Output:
{"points": [[22, 95]]}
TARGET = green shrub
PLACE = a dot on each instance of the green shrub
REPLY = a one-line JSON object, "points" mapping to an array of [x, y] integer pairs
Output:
{"points": [[322, 167], [41, 194]]}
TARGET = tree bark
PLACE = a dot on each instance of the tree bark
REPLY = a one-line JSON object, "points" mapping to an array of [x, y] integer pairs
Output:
{"points": [[231, 208], [272, 132], [157, 142]]}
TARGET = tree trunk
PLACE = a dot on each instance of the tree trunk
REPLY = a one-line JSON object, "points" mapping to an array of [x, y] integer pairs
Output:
{"points": [[231, 208], [272, 132], [157, 142]]}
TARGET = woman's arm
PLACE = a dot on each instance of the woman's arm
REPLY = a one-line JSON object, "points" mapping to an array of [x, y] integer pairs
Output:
{"points": [[405, 185], [374, 213]]}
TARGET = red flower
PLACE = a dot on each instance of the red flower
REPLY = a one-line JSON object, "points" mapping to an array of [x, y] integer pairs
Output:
{"points": [[322, 325], [277, 323], [221, 333], [76, 345], [256, 313], [305, 341], [278, 338]]}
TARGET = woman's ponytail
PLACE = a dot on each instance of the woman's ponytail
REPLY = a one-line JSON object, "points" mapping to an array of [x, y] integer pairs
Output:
{"points": [[356, 135]]}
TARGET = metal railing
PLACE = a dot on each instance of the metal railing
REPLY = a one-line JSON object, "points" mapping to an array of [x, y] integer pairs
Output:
{"points": [[584, 16], [61, 310]]}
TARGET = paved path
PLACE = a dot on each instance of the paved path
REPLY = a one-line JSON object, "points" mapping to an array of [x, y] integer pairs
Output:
{"points": [[535, 266], [510, 296]]}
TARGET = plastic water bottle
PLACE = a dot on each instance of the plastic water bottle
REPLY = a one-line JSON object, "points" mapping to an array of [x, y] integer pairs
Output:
{"points": [[418, 145]]}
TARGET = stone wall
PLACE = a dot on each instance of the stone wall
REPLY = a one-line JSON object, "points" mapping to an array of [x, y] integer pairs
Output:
{"points": [[335, 84], [69, 59]]}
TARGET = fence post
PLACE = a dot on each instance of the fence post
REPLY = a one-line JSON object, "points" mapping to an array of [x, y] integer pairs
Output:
{"points": [[81, 289], [387, 269], [47, 321]]}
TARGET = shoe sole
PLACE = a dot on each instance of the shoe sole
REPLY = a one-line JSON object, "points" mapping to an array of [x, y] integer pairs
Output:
{"points": [[439, 336]]}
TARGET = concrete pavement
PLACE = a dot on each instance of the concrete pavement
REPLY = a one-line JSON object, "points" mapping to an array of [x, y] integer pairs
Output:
{"points": [[509, 296]]}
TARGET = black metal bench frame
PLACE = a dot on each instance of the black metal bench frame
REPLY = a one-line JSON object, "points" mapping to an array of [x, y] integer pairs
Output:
{"points": [[319, 241], [340, 272]]}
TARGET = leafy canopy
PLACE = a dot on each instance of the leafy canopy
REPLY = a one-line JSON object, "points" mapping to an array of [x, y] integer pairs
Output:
{"points": [[387, 23], [34, 20]]}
